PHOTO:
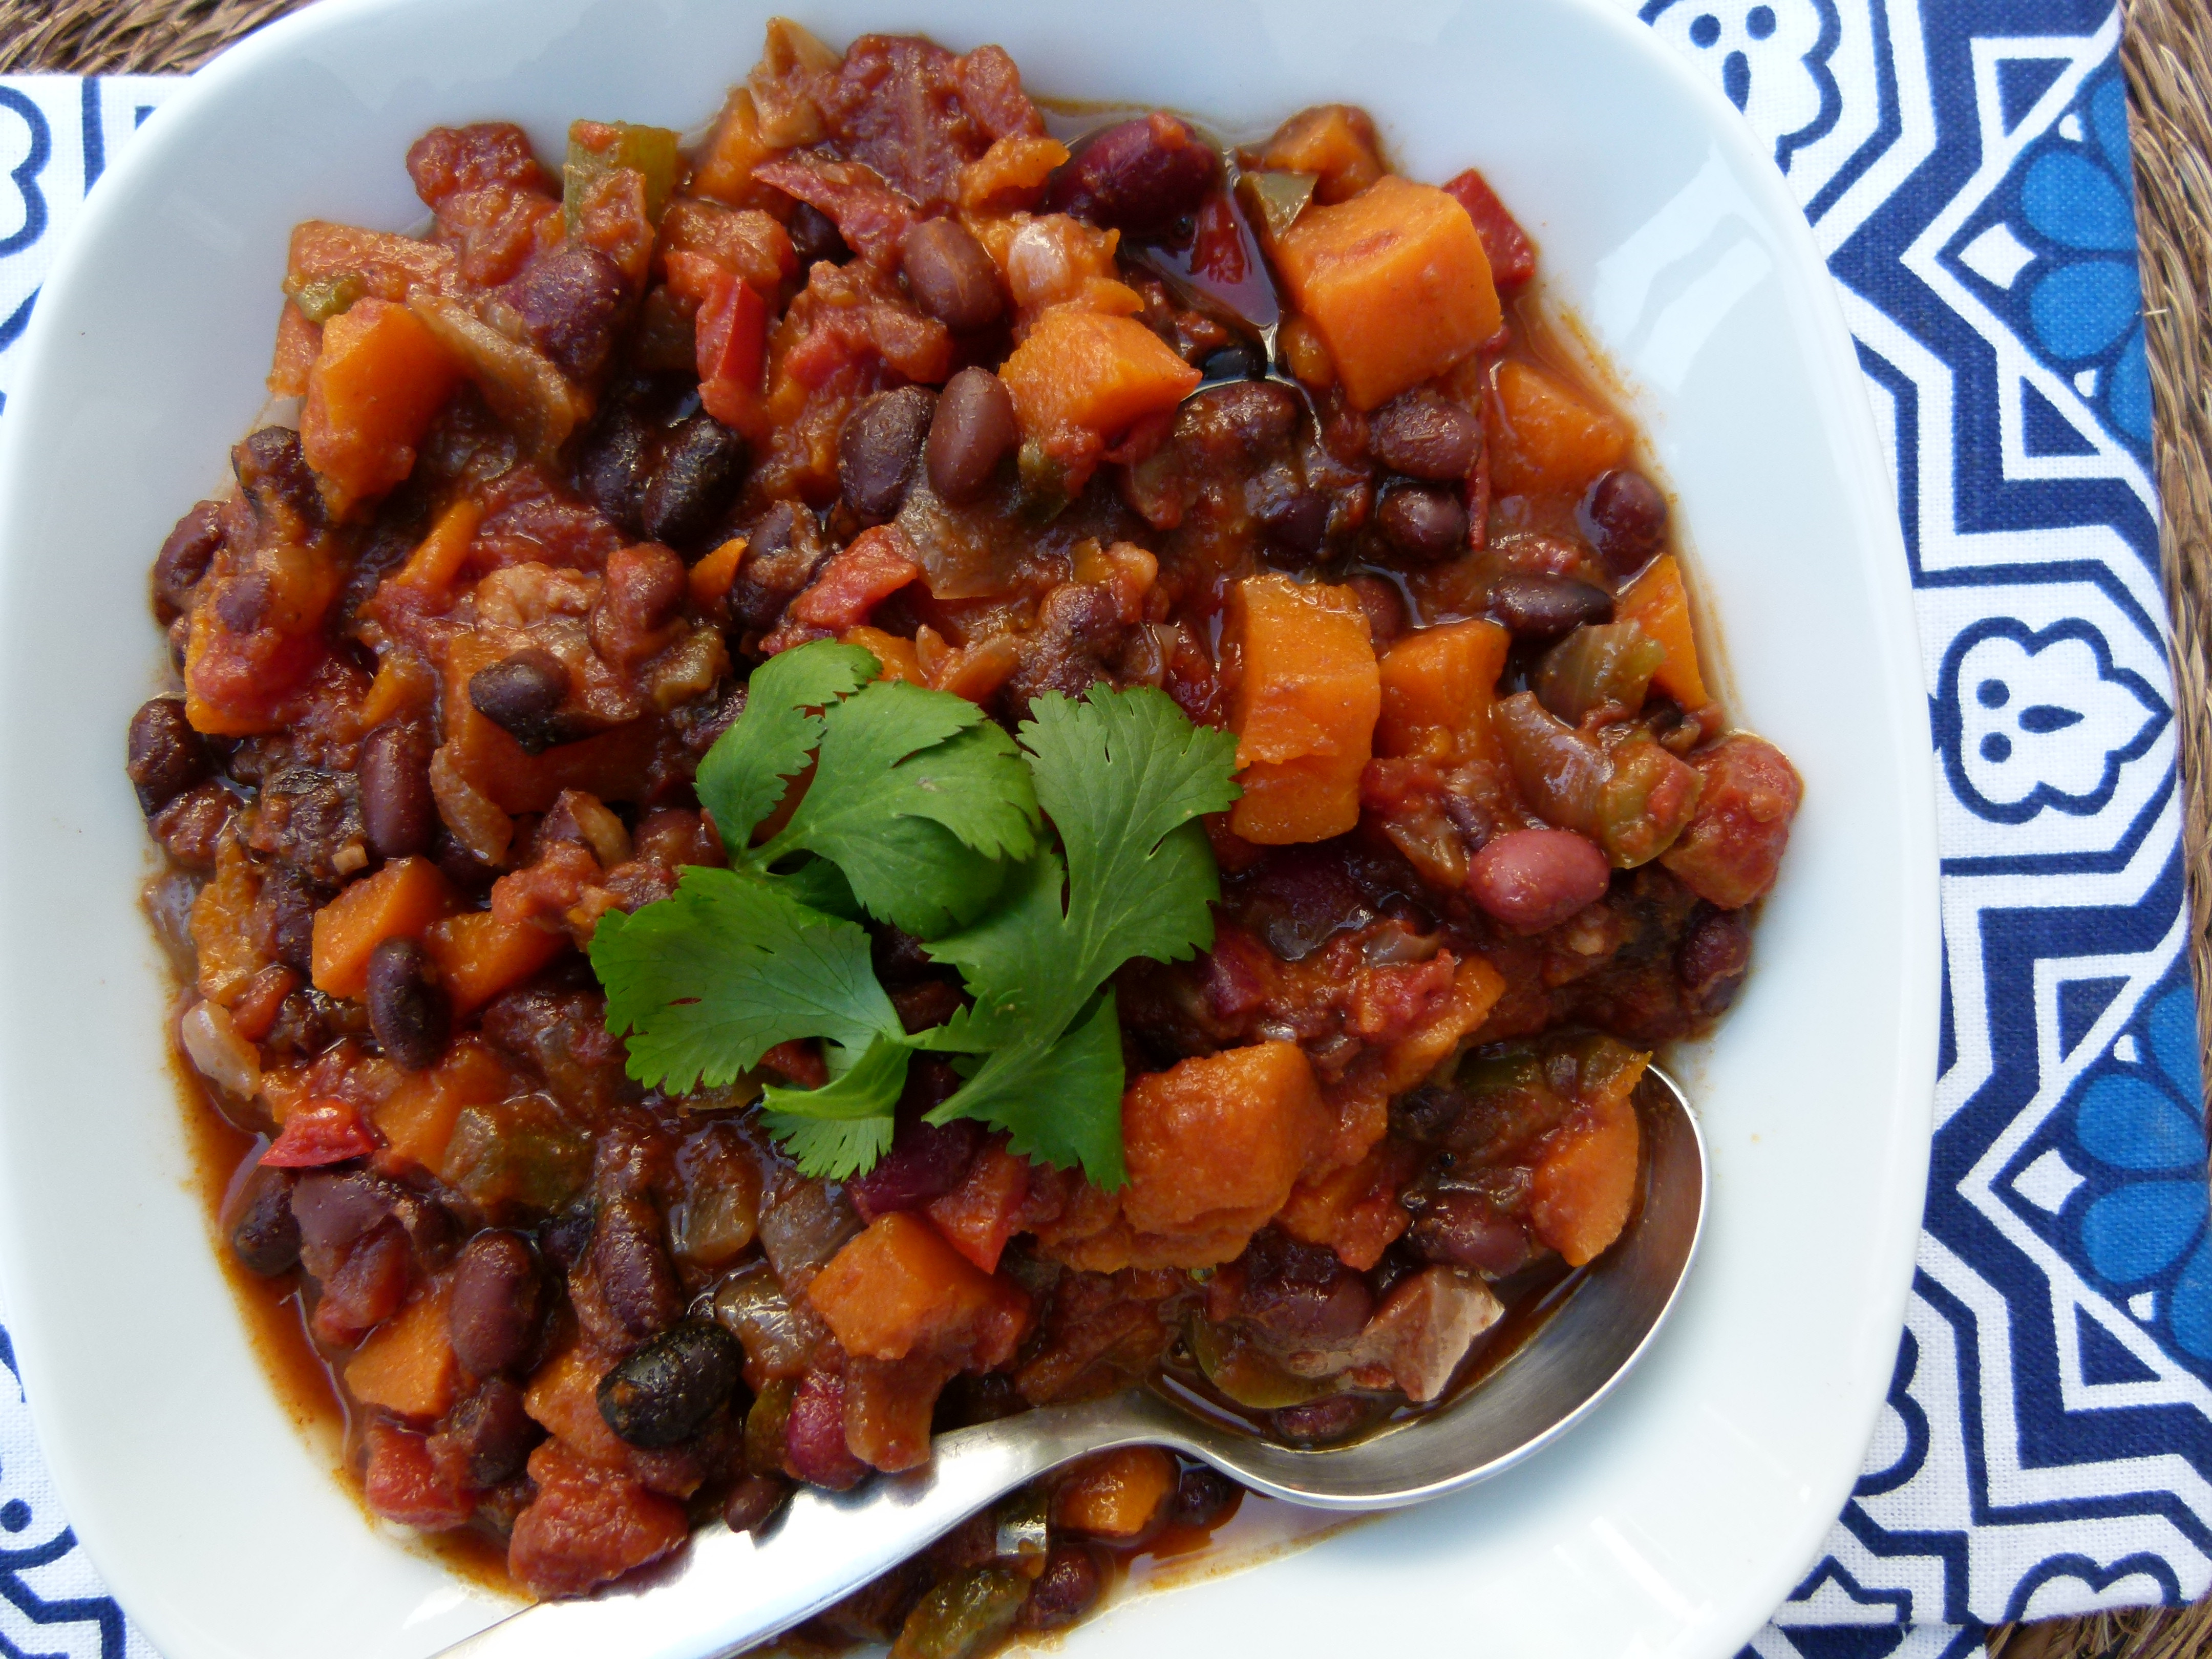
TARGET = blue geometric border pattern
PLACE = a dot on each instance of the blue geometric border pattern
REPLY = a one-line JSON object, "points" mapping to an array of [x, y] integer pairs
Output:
{"points": [[2046, 1445]]}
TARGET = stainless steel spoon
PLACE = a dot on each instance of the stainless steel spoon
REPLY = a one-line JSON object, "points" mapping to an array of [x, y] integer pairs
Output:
{"points": [[729, 1591]]}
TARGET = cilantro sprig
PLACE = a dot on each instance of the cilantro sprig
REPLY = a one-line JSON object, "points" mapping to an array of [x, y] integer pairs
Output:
{"points": [[921, 813]]}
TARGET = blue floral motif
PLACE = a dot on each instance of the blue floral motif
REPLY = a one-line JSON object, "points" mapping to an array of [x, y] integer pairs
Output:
{"points": [[2085, 302], [2144, 1125]]}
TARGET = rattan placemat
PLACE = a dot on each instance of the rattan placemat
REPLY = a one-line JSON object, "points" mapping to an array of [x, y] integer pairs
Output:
{"points": [[2168, 57]]}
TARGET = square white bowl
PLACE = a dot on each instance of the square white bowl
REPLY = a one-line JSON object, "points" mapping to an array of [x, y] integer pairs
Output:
{"points": [[1670, 1523]]}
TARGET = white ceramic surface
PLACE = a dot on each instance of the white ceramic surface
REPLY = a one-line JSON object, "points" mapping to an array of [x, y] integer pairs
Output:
{"points": [[1672, 1523]]}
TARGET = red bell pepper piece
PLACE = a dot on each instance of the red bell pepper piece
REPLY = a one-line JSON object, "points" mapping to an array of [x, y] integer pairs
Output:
{"points": [[1512, 259], [321, 1132], [732, 347]]}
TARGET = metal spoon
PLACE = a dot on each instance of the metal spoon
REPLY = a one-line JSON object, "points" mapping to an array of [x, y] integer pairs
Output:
{"points": [[729, 1591]]}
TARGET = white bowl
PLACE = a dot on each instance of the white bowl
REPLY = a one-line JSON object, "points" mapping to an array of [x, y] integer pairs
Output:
{"points": [[1674, 1520]]}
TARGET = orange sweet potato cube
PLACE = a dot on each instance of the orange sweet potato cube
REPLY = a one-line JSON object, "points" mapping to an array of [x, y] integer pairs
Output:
{"points": [[1395, 283], [1441, 679], [900, 1289], [1581, 1194], [1117, 1495], [479, 956], [1656, 602], [1219, 1138], [377, 381], [1085, 372], [417, 1119], [407, 1365], [1305, 709], [400, 901], [1554, 438]]}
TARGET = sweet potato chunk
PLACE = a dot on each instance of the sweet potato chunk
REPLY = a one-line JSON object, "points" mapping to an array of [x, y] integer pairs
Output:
{"points": [[1655, 602], [400, 901], [1081, 374], [1117, 1495], [417, 1119], [1395, 283], [1581, 1193], [900, 1289], [1305, 709], [377, 381], [479, 956], [407, 1365], [1553, 438], [1217, 1142], [1441, 680]]}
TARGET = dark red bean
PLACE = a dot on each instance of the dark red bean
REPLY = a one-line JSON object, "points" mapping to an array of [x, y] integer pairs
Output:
{"points": [[166, 756], [190, 827], [1302, 1292], [631, 1263], [1295, 515], [755, 1501], [185, 554], [333, 1211], [971, 431], [1624, 517], [1532, 879], [410, 1015], [274, 474], [1245, 420], [1712, 957], [1424, 521], [702, 464], [1460, 1230], [491, 1306], [367, 1287], [952, 277], [1138, 177], [1384, 605], [489, 1435], [814, 1435], [522, 695], [815, 237], [1203, 1495], [1322, 1422], [570, 299], [664, 1393], [1424, 434], [876, 450], [926, 1162], [566, 1238], [1068, 1588], [398, 815], [265, 1235], [616, 465], [1547, 607]]}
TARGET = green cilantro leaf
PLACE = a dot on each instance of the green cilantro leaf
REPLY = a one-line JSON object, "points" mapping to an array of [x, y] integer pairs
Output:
{"points": [[747, 771], [709, 979], [842, 1128], [1057, 1098]]}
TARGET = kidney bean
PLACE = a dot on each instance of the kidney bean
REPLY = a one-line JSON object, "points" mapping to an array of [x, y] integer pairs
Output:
{"points": [[569, 300], [1137, 177], [491, 1306], [1302, 1291], [1068, 1588], [1244, 419], [365, 1289], [702, 464], [166, 756], [631, 1262], [489, 1435], [1424, 434], [612, 470], [190, 827], [1424, 521], [1532, 879], [185, 554], [1712, 957], [522, 695], [334, 1210], [1547, 607], [970, 432], [665, 1392], [1459, 1230], [1384, 605], [398, 815], [1624, 517], [1295, 513], [814, 1435], [926, 1162], [952, 277], [274, 474], [1203, 1494], [882, 440], [265, 1235], [1322, 1422], [410, 1015], [754, 1502], [815, 237]]}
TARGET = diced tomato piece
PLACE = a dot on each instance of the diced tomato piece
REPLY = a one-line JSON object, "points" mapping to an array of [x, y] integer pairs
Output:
{"points": [[587, 1524], [982, 1212], [880, 562], [405, 1483], [733, 345], [1512, 260], [318, 1133]]}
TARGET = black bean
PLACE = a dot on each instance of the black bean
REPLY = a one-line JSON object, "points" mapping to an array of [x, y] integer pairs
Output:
{"points": [[409, 1014], [522, 695], [1244, 420], [264, 1236], [1624, 517], [952, 277], [1427, 521], [1067, 1589], [1424, 434], [1547, 607], [489, 1434], [970, 432], [1322, 1422], [631, 1262], [1295, 513], [398, 815], [754, 1502], [569, 300], [666, 1391], [877, 448], [566, 1238], [815, 237], [185, 554], [491, 1308], [1138, 177], [612, 470], [1202, 1494], [289, 899], [274, 473], [702, 464], [1384, 605], [166, 756], [1302, 1291]]}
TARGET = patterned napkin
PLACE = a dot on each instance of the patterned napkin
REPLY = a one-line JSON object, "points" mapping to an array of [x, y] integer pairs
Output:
{"points": [[2046, 1447]]}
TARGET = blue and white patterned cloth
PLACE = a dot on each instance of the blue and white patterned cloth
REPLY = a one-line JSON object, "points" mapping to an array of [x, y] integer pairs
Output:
{"points": [[2047, 1444]]}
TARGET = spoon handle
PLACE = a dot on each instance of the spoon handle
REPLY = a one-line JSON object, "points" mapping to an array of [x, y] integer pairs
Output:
{"points": [[729, 1591]]}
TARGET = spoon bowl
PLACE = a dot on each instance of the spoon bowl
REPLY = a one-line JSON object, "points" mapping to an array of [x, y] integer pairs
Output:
{"points": [[729, 1591]]}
